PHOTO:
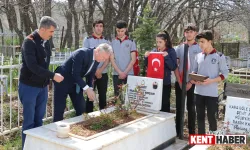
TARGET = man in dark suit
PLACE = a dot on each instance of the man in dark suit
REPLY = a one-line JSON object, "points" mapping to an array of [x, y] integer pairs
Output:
{"points": [[82, 63], [35, 75]]}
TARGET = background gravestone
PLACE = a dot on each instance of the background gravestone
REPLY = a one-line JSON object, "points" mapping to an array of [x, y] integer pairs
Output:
{"points": [[237, 117]]}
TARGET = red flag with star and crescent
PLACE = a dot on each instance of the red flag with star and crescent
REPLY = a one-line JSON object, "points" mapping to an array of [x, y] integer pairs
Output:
{"points": [[155, 65]]}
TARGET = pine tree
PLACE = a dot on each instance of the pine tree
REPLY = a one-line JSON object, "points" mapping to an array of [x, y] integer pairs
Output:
{"points": [[145, 35]]}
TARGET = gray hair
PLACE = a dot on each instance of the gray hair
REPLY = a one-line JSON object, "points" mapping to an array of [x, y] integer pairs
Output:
{"points": [[106, 48], [46, 22]]}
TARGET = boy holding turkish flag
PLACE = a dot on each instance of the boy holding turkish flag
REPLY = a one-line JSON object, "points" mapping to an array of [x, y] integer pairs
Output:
{"points": [[160, 62]]}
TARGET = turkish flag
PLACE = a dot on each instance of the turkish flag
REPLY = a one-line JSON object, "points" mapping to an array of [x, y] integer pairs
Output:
{"points": [[155, 65]]}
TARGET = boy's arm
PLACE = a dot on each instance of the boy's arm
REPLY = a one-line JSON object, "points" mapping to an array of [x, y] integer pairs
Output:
{"points": [[132, 62], [223, 70], [133, 58]]}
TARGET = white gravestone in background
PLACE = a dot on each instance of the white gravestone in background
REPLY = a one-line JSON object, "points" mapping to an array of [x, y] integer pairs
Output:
{"points": [[248, 60], [237, 116], [228, 61], [150, 94]]}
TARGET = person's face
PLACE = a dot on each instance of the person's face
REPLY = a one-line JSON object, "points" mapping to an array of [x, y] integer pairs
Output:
{"points": [[121, 32], [205, 44], [161, 44], [101, 56], [98, 29], [46, 34], [190, 35]]}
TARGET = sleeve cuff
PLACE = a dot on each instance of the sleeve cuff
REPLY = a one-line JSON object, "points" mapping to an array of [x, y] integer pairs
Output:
{"points": [[86, 87], [222, 77], [52, 74]]}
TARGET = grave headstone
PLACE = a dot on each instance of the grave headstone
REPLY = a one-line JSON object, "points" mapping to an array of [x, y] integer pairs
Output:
{"points": [[228, 62], [248, 59], [237, 117], [144, 92]]}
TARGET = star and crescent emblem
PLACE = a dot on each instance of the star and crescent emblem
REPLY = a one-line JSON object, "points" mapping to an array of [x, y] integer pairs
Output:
{"points": [[158, 61]]}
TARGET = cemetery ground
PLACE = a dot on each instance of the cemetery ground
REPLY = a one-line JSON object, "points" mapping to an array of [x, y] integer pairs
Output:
{"points": [[12, 141]]}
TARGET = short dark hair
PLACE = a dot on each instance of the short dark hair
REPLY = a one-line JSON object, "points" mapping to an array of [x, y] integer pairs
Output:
{"points": [[166, 37], [190, 26], [121, 24], [206, 34], [98, 22]]}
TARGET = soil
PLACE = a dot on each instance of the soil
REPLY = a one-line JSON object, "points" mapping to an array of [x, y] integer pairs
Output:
{"points": [[86, 128]]}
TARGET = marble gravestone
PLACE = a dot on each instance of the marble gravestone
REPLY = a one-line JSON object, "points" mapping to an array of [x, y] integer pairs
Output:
{"points": [[144, 92], [237, 117], [248, 60]]}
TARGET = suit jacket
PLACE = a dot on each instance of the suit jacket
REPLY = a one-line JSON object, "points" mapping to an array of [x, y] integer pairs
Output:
{"points": [[35, 62], [76, 67]]}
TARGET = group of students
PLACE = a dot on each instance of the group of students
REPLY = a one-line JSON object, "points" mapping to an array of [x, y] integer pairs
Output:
{"points": [[92, 61], [202, 59]]}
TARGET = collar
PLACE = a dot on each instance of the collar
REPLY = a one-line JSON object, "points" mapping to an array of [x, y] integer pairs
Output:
{"points": [[126, 37], [36, 36], [195, 43], [95, 37], [212, 52], [163, 50]]}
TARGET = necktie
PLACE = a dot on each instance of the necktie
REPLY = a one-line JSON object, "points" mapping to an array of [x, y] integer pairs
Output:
{"points": [[93, 62], [77, 86]]}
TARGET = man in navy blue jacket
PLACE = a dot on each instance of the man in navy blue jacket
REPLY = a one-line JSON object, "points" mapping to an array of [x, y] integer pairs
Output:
{"points": [[35, 76], [82, 63]]}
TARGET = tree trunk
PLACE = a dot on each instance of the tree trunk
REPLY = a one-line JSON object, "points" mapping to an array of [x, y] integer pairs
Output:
{"points": [[33, 14], [248, 36], [68, 36], [47, 8], [25, 5], [110, 23], [12, 19], [76, 23], [1, 27]]}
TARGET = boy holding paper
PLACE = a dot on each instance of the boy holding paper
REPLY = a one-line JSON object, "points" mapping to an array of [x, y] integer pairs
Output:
{"points": [[213, 65]]}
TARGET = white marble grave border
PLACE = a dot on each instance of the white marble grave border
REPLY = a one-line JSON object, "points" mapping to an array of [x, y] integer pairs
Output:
{"points": [[72, 121]]}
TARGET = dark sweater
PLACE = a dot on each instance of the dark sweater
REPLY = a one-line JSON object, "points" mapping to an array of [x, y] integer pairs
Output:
{"points": [[35, 62]]}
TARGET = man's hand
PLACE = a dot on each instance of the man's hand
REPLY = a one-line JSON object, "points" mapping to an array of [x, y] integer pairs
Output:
{"points": [[188, 86], [91, 94], [98, 74], [165, 54], [58, 77], [122, 75], [146, 54], [30, 36], [180, 84]]}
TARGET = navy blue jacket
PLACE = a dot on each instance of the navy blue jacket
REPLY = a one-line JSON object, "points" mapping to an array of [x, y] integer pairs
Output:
{"points": [[76, 67], [170, 64], [35, 62]]}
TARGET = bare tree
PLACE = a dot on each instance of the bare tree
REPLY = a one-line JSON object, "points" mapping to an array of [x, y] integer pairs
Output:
{"points": [[76, 23], [10, 11], [68, 38], [26, 8], [47, 8]]}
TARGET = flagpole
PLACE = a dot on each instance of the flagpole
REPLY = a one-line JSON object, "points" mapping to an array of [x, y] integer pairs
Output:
{"points": [[183, 94]]}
